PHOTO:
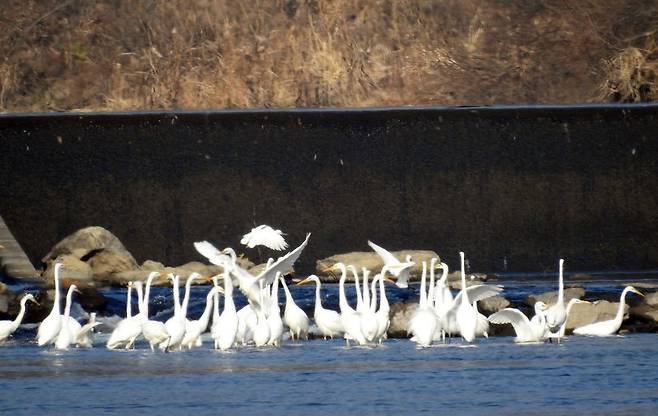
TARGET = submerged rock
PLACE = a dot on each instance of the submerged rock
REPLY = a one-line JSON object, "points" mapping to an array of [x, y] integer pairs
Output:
{"points": [[374, 263]]}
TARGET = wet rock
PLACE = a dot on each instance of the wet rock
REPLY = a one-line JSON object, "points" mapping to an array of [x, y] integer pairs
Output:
{"points": [[579, 277], [640, 285], [550, 298], [373, 262], [646, 309], [122, 278], [586, 313], [400, 314], [492, 305], [198, 267]]}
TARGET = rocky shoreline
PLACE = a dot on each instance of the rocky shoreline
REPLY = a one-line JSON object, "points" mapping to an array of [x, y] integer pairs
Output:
{"points": [[94, 258]]}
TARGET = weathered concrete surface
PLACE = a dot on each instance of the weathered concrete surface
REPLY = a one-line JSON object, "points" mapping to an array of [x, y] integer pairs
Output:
{"points": [[515, 188]]}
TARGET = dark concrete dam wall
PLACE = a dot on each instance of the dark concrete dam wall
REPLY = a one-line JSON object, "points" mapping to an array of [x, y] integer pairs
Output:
{"points": [[514, 187]]}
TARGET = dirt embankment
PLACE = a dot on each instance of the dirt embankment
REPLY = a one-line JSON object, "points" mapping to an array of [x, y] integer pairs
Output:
{"points": [[112, 55]]}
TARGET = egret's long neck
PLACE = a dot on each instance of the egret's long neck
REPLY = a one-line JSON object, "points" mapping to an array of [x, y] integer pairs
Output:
{"points": [[366, 290], [205, 316], [140, 299], [176, 293], [622, 305], [383, 301], [464, 291], [560, 295], [57, 301], [342, 300], [318, 298], [289, 298], [69, 299], [359, 298], [423, 288], [229, 305], [430, 289], [128, 302], [215, 309], [19, 318], [186, 297], [147, 293]]}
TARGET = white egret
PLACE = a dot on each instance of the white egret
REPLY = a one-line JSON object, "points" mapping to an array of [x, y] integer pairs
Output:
{"points": [[49, 327], [225, 326], [382, 313], [247, 321], [195, 328], [128, 329], [611, 326], [369, 323], [422, 324], [466, 316], [175, 325], [154, 331], [67, 332], [274, 316], [248, 283], [350, 318], [262, 329], [9, 327], [443, 303], [264, 235], [327, 320], [526, 330], [293, 316], [400, 270], [556, 315]]}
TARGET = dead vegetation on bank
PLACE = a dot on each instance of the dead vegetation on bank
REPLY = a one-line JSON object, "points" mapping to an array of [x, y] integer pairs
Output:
{"points": [[116, 55]]}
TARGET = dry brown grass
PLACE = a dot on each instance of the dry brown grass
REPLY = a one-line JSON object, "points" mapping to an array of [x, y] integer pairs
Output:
{"points": [[115, 55]]}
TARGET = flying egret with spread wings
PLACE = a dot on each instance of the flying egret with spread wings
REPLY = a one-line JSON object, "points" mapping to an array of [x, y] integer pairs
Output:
{"points": [[264, 235], [397, 268]]}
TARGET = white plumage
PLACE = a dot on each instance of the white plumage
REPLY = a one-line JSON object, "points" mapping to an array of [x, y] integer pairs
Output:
{"points": [[264, 235]]}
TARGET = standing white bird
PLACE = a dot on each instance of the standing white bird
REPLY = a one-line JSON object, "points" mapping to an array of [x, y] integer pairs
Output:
{"points": [[49, 327], [154, 331], [563, 328], [69, 331], [262, 329], [422, 324], [274, 316], [466, 315], [264, 235], [327, 320], [609, 327], [175, 325], [350, 318], [382, 313], [128, 329], [526, 330], [9, 327], [443, 303], [225, 327], [400, 270], [482, 327], [369, 323], [293, 316], [195, 328], [556, 315]]}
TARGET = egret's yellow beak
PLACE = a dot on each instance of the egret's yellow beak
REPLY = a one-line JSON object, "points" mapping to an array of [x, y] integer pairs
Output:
{"points": [[35, 301], [330, 269], [389, 280], [305, 281], [637, 292]]}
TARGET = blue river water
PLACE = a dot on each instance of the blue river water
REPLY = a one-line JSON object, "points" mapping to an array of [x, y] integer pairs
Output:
{"points": [[583, 375]]}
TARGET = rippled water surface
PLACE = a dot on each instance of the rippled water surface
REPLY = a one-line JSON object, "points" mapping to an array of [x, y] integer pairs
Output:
{"points": [[614, 375]]}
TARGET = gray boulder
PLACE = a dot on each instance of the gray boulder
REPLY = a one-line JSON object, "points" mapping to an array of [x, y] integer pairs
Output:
{"points": [[73, 270], [587, 313], [492, 305]]}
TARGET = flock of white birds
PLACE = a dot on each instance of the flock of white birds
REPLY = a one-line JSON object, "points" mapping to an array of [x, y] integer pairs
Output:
{"points": [[439, 314]]}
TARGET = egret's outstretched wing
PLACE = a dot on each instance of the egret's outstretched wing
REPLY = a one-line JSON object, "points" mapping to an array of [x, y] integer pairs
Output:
{"points": [[87, 327], [389, 259], [515, 317], [283, 263], [211, 252], [479, 292], [264, 235]]}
